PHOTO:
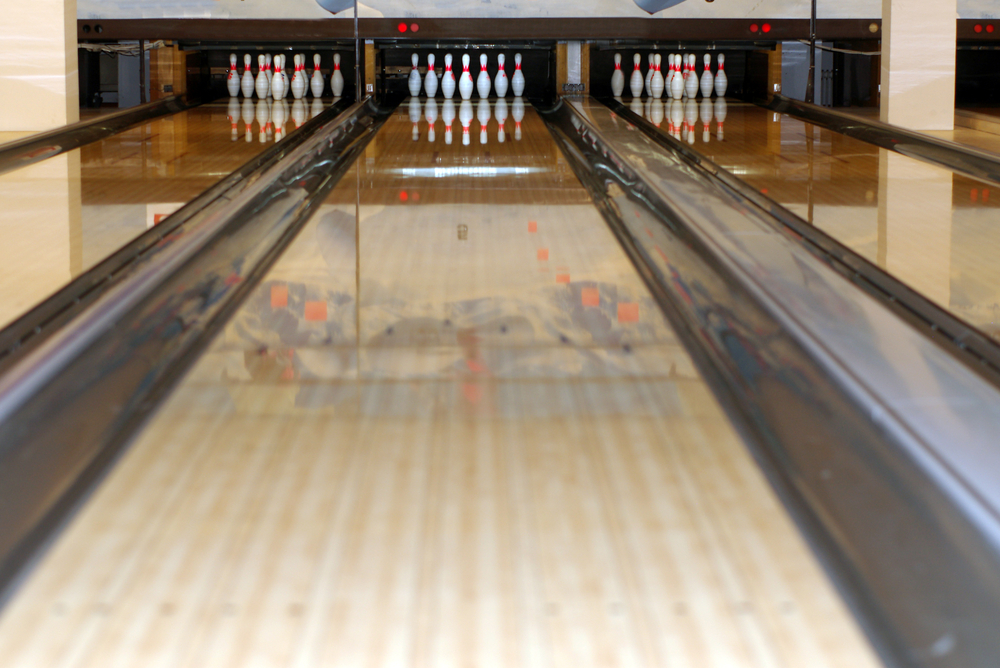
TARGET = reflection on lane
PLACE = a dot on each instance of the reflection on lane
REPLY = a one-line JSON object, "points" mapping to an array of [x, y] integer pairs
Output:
{"points": [[934, 230], [449, 428], [64, 215]]}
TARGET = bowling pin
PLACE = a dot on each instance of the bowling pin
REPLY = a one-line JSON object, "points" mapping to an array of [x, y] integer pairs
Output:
{"points": [[720, 115], [465, 81], [416, 81], [285, 78], [677, 82], [431, 114], [721, 81], [618, 78], [233, 79], [465, 116], [501, 114], [483, 114], [501, 83], [517, 111], [337, 77], [415, 115], [691, 83], [706, 117], [246, 83], [656, 81], [448, 79], [247, 113], [278, 80], [316, 84], [707, 80], [261, 84], [431, 80], [448, 116], [635, 83], [483, 83], [294, 83], [517, 81], [647, 82], [269, 71]]}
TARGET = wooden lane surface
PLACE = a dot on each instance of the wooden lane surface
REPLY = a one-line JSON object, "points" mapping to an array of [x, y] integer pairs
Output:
{"points": [[411, 449], [932, 229], [63, 215]]}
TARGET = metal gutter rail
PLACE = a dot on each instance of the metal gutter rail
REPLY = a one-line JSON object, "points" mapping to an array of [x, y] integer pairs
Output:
{"points": [[69, 406], [38, 147], [905, 533]]}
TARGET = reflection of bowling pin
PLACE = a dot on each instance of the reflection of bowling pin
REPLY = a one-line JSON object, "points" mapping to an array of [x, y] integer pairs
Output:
{"points": [[635, 83], [517, 111], [706, 116], [415, 116], [233, 79], [416, 81], [261, 85], [278, 80], [448, 79], [279, 112], [233, 114], [246, 83], [618, 78], [317, 84], [337, 78], [677, 115], [656, 81], [501, 114], [648, 81], [465, 116], [721, 81], [317, 108], [483, 83], [707, 80], [691, 113], [483, 114], [431, 80], [263, 118], [500, 84], [248, 116], [720, 115], [299, 109], [431, 114], [636, 106], [448, 116], [465, 81], [656, 112], [517, 81]]}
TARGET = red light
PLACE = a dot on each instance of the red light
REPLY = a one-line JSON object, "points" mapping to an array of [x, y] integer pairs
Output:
{"points": [[978, 28], [766, 27], [753, 27], [403, 196], [989, 28], [401, 27], [414, 27]]}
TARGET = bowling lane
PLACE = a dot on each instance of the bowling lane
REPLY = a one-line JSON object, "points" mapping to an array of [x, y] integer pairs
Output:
{"points": [[63, 215], [937, 231], [449, 428]]}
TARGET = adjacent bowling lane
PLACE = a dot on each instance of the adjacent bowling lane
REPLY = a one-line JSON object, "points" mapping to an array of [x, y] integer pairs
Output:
{"points": [[449, 428], [63, 215], [935, 230]]}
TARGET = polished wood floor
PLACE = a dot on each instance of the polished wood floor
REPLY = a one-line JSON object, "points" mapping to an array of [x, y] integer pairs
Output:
{"points": [[446, 430]]}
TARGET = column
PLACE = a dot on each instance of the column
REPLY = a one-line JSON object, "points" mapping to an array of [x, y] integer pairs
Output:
{"points": [[39, 82], [918, 63]]}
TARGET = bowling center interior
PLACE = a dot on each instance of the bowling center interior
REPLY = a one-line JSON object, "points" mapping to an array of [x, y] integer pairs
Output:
{"points": [[609, 333]]}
